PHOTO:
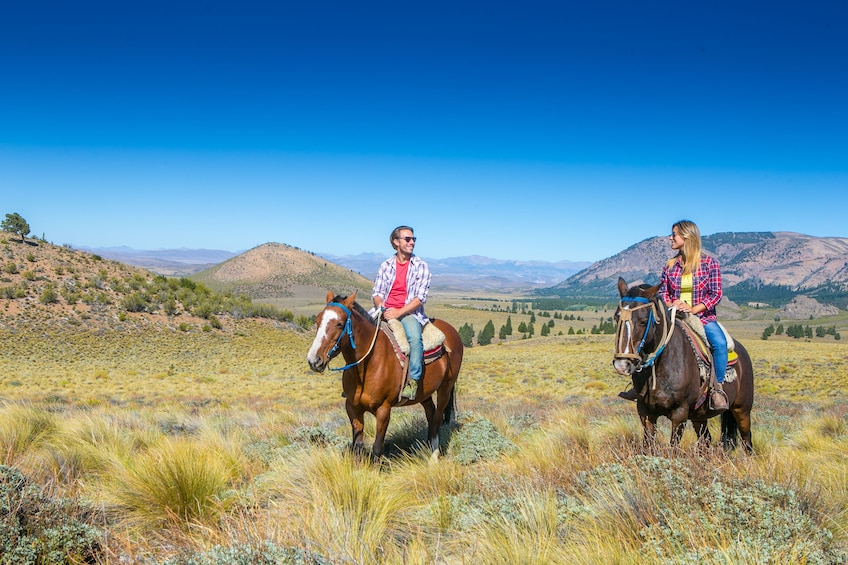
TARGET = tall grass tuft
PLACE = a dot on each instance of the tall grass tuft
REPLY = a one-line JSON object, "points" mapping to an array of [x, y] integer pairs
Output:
{"points": [[23, 430], [522, 528], [340, 506], [179, 483]]}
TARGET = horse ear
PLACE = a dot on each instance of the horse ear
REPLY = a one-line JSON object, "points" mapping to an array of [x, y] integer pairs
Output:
{"points": [[622, 287], [330, 296], [350, 299], [651, 292]]}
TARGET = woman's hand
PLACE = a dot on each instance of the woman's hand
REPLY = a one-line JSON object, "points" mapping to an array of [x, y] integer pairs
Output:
{"points": [[682, 306]]}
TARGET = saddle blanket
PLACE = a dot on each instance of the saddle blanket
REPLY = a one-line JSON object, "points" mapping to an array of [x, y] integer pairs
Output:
{"points": [[430, 335]]}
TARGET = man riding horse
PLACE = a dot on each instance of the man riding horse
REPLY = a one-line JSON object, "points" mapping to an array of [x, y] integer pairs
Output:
{"points": [[400, 291]]}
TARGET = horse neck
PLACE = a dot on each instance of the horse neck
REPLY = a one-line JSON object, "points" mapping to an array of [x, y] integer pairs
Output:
{"points": [[363, 334]]}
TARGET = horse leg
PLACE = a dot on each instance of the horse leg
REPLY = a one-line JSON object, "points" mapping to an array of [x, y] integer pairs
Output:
{"points": [[433, 423], [741, 426], [678, 419], [649, 431], [382, 415], [357, 424], [704, 437]]}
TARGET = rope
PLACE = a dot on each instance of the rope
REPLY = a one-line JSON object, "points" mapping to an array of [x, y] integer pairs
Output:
{"points": [[373, 341]]}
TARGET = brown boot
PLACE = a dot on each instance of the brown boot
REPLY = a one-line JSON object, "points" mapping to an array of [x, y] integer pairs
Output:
{"points": [[718, 400]]}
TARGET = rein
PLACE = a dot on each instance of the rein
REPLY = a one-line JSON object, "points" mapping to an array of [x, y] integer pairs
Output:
{"points": [[348, 330]]}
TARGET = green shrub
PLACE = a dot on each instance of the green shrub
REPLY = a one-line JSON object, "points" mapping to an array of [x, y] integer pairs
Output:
{"points": [[266, 553], [35, 529], [478, 440], [49, 295], [135, 302]]}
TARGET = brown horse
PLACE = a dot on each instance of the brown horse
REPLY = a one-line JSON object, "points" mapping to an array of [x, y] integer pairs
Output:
{"points": [[662, 363], [373, 377]]}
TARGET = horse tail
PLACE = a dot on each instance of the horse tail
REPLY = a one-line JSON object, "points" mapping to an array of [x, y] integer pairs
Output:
{"points": [[729, 430]]}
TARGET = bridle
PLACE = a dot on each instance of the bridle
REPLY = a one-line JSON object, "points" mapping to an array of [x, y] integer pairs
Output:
{"points": [[624, 331], [348, 330]]}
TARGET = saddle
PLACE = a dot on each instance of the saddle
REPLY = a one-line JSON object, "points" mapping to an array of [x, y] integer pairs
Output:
{"points": [[694, 330], [432, 337]]}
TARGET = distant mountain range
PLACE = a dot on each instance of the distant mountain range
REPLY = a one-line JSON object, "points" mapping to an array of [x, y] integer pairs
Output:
{"points": [[454, 273], [475, 272], [758, 267], [170, 262]]}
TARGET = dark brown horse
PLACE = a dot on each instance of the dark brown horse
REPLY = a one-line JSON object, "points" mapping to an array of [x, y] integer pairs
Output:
{"points": [[373, 378], [652, 348]]}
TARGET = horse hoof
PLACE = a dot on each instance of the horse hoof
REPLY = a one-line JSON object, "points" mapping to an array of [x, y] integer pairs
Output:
{"points": [[434, 458]]}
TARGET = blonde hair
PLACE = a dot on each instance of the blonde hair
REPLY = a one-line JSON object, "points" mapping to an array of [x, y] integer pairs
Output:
{"points": [[691, 251]]}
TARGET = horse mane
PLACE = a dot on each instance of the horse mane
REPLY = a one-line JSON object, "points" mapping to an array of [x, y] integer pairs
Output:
{"points": [[356, 307], [637, 290]]}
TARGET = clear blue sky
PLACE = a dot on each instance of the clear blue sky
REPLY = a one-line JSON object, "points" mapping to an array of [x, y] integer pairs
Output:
{"points": [[516, 130]]}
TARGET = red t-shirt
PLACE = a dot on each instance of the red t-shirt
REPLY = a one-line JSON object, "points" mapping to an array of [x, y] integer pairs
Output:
{"points": [[397, 295]]}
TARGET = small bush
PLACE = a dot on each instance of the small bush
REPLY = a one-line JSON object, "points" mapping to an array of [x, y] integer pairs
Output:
{"points": [[49, 295], [135, 302], [479, 440], [35, 529], [265, 554]]}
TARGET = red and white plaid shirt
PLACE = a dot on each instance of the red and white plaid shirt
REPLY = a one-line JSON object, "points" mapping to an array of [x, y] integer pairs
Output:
{"points": [[706, 285]]}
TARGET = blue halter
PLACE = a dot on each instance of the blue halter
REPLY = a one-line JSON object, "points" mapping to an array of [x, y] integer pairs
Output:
{"points": [[348, 329], [651, 321]]}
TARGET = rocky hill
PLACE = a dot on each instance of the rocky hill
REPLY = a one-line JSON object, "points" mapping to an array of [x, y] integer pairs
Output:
{"points": [[765, 267], [276, 270], [47, 286]]}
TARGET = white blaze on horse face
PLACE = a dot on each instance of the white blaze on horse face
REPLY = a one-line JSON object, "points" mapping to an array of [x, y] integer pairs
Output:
{"points": [[329, 318], [627, 337]]}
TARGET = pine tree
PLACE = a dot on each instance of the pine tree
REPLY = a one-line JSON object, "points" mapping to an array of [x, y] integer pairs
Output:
{"points": [[466, 334], [486, 334]]}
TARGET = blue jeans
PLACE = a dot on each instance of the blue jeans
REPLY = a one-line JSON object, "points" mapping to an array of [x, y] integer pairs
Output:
{"points": [[416, 346], [718, 343]]}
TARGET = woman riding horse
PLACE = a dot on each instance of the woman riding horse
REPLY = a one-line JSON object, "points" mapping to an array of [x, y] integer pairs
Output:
{"points": [[652, 348]]}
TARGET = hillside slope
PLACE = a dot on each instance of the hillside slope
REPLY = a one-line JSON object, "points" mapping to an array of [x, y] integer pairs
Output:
{"points": [[46, 286], [763, 266]]}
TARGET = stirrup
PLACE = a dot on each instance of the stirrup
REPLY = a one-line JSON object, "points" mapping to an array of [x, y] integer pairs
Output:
{"points": [[719, 392]]}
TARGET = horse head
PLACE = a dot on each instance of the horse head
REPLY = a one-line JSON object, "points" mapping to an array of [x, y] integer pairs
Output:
{"points": [[334, 330], [639, 314]]}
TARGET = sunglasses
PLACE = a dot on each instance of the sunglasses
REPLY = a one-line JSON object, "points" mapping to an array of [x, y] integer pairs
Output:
{"points": [[408, 238]]}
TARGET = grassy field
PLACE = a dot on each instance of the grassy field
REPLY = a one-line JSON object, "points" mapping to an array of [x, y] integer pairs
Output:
{"points": [[221, 447]]}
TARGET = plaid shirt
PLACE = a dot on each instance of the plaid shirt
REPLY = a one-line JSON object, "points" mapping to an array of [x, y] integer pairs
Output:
{"points": [[417, 283], [706, 285]]}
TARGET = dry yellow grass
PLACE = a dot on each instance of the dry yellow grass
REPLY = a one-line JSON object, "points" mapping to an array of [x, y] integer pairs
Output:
{"points": [[256, 443]]}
